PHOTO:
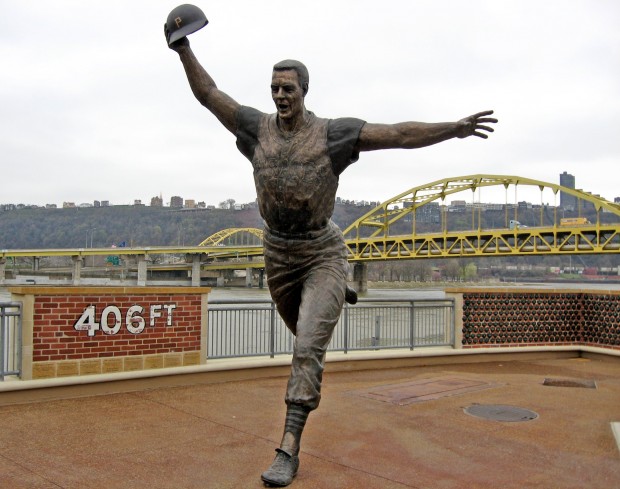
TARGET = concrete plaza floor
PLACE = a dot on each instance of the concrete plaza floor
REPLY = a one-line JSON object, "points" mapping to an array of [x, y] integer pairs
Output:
{"points": [[392, 428]]}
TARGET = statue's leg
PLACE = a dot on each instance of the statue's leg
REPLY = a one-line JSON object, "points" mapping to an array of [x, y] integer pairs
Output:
{"points": [[322, 299], [307, 280]]}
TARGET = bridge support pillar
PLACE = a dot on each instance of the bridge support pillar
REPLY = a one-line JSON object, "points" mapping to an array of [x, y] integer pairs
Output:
{"points": [[261, 278], [36, 262], [248, 277], [77, 269], [195, 270], [142, 271], [360, 277], [2, 270]]}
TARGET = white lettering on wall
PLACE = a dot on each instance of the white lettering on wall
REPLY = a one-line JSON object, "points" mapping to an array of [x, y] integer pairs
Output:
{"points": [[155, 313], [110, 321]]}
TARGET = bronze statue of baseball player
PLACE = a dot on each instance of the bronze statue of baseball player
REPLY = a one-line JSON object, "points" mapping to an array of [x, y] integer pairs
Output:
{"points": [[297, 159]]}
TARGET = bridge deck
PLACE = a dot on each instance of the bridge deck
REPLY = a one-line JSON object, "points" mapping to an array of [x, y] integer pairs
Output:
{"points": [[366, 433]]}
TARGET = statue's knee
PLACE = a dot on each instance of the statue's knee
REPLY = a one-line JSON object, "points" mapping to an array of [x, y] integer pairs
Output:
{"points": [[305, 352]]}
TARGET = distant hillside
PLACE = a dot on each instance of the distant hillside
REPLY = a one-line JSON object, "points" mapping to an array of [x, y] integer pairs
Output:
{"points": [[162, 226], [134, 225]]}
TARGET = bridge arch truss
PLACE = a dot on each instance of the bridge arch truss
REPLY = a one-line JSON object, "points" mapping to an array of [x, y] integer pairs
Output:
{"points": [[388, 231], [233, 236]]}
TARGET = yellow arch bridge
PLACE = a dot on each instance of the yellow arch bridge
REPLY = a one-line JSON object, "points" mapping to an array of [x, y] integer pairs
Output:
{"points": [[399, 227], [389, 231], [419, 223]]}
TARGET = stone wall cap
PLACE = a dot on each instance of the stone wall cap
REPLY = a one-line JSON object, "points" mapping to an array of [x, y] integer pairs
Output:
{"points": [[90, 290]]}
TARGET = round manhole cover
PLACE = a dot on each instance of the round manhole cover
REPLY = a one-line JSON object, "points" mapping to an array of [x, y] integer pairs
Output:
{"points": [[497, 412]]}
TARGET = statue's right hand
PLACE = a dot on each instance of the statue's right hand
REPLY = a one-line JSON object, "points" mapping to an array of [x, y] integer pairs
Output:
{"points": [[176, 45]]}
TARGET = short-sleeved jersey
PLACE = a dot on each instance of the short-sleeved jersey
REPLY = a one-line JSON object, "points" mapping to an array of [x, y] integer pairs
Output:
{"points": [[296, 176]]}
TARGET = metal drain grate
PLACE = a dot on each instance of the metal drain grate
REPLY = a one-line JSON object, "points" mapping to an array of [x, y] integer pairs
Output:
{"points": [[498, 412], [586, 384]]}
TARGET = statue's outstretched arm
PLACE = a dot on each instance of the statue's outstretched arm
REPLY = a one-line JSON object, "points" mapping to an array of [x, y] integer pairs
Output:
{"points": [[204, 88], [409, 135]]}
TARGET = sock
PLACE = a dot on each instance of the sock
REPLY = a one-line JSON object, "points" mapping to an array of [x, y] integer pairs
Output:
{"points": [[294, 424]]}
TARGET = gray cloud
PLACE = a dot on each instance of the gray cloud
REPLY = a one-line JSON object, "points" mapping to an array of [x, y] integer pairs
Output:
{"points": [[94, 106]]}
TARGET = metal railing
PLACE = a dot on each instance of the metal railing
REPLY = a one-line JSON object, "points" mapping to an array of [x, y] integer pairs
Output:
{"points": [[254, 327], [10, 339]]}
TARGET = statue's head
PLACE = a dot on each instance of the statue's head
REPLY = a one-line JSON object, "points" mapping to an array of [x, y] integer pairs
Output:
{"points": [[298, 67]]}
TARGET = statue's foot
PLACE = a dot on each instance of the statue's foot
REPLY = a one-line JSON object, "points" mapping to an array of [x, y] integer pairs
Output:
{"points": [[350, 295], [282, 470]]}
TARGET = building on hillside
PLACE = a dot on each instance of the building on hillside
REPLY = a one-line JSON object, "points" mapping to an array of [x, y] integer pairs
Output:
{"points": [[491, 206], [429, 213], [157, 201], [176, 202], [567, 201], [457, 206]]}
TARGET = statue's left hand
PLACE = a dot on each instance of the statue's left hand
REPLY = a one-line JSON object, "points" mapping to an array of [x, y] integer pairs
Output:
{"points": [[474, 124], [177, 45]]}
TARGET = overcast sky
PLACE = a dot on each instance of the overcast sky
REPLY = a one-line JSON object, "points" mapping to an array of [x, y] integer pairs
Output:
{"points": [[94, 106]]}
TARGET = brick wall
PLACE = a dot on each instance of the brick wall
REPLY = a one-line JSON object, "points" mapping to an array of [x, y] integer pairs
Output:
{"points": [[171, 324], [91, 330]]}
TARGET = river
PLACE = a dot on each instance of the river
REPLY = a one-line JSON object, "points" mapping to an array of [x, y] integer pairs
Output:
{"points": [[425, 292]]}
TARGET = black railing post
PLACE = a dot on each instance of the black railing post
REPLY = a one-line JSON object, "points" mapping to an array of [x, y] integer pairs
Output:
{"points": [[18, 347], [376, 339], [412, 325], [3, 344], [345, 325], [453, 323], [272, 330]]}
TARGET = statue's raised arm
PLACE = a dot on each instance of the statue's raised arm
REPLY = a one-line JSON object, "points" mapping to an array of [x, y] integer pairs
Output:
{"points": [[224, 107], [408, 135]]}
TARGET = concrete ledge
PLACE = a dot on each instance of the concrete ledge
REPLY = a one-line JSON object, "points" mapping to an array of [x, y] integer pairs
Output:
{"points": [[235, 369]]}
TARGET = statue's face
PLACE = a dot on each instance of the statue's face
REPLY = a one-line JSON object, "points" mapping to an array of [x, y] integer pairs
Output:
{"points": [[287, 94]]}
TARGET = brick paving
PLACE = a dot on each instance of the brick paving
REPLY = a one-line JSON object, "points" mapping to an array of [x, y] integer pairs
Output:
{"points": [[221, 434]]}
